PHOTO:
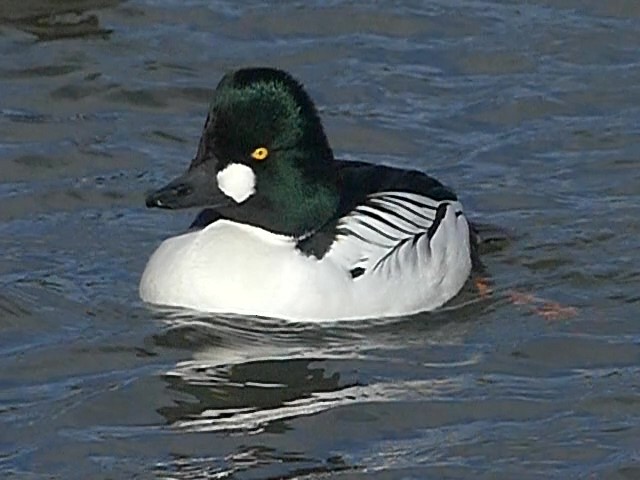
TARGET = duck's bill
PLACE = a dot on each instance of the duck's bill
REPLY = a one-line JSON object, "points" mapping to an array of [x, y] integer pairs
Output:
{"points": [[193, 189]]}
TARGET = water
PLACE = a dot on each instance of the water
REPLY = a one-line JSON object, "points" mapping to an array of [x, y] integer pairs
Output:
{"points": [[531, 111]]}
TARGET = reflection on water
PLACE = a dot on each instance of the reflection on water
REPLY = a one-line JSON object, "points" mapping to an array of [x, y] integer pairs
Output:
{"points": [[247, 398], [251, 458], [250, 375]]}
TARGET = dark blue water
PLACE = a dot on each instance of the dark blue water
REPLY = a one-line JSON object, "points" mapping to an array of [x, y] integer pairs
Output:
{"points": [[531, 111]]}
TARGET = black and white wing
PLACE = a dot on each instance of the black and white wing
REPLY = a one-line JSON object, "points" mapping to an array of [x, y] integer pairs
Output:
{"points": [[389, 229]]}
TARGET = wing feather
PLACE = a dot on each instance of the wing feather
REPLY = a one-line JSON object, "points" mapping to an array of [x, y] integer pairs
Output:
{"points": [[368, 236]]}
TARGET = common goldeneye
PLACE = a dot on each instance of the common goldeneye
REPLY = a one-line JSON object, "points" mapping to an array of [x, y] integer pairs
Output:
{"points": [[290, 232]]}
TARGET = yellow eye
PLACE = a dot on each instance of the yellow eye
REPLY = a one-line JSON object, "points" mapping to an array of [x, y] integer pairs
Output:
{"points": [[260, 153]]}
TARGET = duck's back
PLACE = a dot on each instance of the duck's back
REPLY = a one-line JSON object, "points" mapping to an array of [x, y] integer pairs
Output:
{"points": [[401, 235]]}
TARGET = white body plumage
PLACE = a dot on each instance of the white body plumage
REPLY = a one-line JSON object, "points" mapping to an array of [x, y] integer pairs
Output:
{"points": [[230, 267]]}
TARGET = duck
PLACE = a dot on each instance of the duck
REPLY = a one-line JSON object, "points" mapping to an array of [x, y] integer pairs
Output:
{"points": [[288, 231]]}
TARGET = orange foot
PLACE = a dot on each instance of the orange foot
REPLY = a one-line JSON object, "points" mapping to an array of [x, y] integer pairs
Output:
{"points": [[556, 311], [546, 309], [482, 284]]}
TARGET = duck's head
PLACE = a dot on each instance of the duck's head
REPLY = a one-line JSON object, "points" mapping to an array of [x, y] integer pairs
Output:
{"points": [[263, 158]]}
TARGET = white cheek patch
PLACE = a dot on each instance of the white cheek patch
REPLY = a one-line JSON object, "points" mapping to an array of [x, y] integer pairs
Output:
{"points": [[237, 181]]}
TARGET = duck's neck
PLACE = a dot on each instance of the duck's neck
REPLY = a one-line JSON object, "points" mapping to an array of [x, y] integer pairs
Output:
{"points": [[296, 203]]}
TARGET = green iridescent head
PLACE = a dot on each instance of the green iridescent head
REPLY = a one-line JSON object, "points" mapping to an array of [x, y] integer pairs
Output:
{"points": [[263, 157]]}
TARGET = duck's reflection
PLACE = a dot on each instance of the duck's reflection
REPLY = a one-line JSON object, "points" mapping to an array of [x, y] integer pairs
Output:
{"points": [[249, 385], [247, 458], [248, 375], [248, 378], [247, 397]]}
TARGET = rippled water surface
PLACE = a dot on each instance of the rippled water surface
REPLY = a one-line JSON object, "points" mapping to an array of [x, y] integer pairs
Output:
{"points": [[530, 110]]}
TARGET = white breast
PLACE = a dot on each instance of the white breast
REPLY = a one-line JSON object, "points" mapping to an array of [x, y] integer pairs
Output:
{"points": [[235, 268]]}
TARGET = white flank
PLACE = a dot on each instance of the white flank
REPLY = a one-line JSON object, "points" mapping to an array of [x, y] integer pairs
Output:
{"points": [[229, 267], [237, 181]]}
